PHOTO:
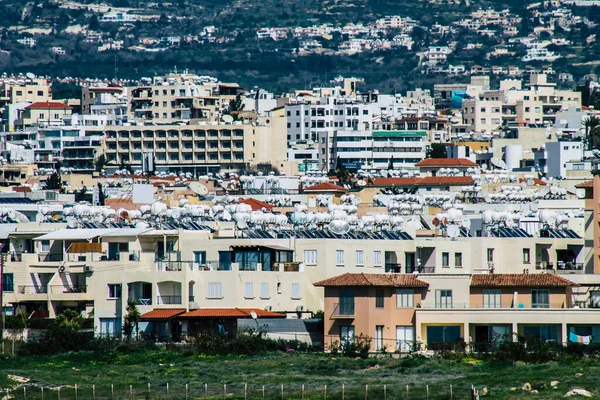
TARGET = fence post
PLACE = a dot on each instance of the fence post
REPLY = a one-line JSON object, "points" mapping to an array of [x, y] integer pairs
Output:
{"points": [[24, 392], [3, 352], [167, 388], [325, 392], [13, 347], [75, 391], [406, 392], [281, 391], [93, 391], [303, 391], [58, 393], [186, 391], [42, 393], [148, 390], [450, 392], [245, 391], [263, 392], [366, 392], [206, 390], [224, 390], [343, 391], [112, 391], [130, 392], [427, 392], [384, 392]]}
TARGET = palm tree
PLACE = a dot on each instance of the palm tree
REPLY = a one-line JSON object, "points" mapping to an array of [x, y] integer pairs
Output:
{"points": [[69, 319], [592, 131], [131, 319]]}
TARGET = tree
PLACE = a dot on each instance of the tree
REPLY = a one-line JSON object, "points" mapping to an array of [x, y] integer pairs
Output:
{"points": [[391, 163], [437, 150], [100, 163], [54, 182], [69, 319], [592, 132], [235, 106], [93, 23], [131, 319], [80, 195]]}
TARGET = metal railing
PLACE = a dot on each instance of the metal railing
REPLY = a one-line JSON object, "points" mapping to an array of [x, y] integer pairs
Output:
{"points": [[343, 310], [168, 299], [16, 256], [172, 266], [68, 289], [191, 298], [544, 265], [568, 266], [422, 270], [291, 266], [394, 267], [32, 289], [142, 301]]}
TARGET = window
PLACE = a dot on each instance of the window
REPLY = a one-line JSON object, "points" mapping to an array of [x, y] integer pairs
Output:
{"points": [[264, 290], [310, 257], [114, 290], [540, 298], [458, 260], [278, 287], [214, 290], [347, 334], [346, 306], [359, 258], [8, 282], [249, 292], [45, 246], [379, 298], [378, 337], [492, 298], [296, 291], [339, 257], [405, 298], [404, 338], [200, 257], [526, 256], [445, 259], [443, 298], [377, 258], [490, 255]]}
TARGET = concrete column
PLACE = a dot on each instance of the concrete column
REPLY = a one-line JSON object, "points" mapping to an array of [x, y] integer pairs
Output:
{"points": [[466, 335], [564, 333], [515, 331]]}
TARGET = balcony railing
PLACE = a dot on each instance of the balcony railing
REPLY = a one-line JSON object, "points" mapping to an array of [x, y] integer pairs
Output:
{"points": [[421, 270], [343, 310], [142, 301], [544, 265], [291, 266], [16, 256], [168, 300], [68, 289], [568, 266], [47, 257], [31, 289]]}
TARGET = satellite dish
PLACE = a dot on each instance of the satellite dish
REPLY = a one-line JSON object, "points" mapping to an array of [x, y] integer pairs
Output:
{"points": [[30, 75], [435, 221], [498, 163], [338, 227], [484, 167], [198, 188], [453, 231], [241, 224], [361, 182], [227, 118], [524, 185], [253, 314]]}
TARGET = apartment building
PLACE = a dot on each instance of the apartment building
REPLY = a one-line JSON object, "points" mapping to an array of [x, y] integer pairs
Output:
{"points": [[400, 311], [42, 114], [95, 269], [196, 148], [179, 97], [538, 104], [25, 89]]}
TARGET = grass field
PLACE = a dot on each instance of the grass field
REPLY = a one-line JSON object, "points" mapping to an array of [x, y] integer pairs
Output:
{"points": [[321, 374]]}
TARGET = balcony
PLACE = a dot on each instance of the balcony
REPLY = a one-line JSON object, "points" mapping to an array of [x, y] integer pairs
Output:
{"points": [[49, 257], [421, 270], [32, 292], [544, 265], [141, 301], [395, 268], [167, 300], [68, 289], [290, 266], [174, 266], [343, 310], [569, 267]]}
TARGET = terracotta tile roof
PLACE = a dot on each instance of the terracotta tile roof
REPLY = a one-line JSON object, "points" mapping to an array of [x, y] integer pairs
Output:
{"points": [[256, 205], [325, 187], [428, 180], [230, 313], [536, 181], [520, 280], [445, 162], [162, 313], [383, 280], [48, 104], [585, 185]]}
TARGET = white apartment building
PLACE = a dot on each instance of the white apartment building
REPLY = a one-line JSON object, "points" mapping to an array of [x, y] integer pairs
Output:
{"points": [[553, 158]]}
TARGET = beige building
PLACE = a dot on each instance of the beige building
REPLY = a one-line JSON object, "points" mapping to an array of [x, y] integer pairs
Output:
{"points": [[43, 114], [25, 90]]}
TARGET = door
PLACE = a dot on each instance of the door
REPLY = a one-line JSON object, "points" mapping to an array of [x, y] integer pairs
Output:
{"points": [[405, 338], [379, 337]]}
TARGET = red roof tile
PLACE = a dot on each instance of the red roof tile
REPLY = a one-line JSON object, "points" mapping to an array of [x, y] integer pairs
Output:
{"points": [[382, 280], [162, 313], [325, 187], [445, 162], [428, 180], [48, 104], [585, 185], [536, 181], [256, 205], [520, 280], [230, 313]]}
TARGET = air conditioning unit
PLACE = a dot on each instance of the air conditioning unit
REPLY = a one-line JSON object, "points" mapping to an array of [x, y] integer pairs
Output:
{"points": [[88, 268], [268, 308], [299, 308], [63, 269]]}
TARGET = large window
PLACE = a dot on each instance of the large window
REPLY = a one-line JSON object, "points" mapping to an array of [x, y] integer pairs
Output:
{"points": [[543, 332], [490, 255], [492, 298], [339, 257], [45, 246], [540, 298], [296, 291], [214, 290], [8, 282], [310, 257], [526, 256], [443, 298], [346, 306], [379, 293], [378, 337], [114, 290], [405, 298], [347, 334], [404, 338], [445, 259], [458, 260]]}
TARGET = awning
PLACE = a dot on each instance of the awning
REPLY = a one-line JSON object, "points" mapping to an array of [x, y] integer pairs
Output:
{"points": [[162, 314], [72, 234], [231, 313], [268, 246], [126, 233], [161, 232]]}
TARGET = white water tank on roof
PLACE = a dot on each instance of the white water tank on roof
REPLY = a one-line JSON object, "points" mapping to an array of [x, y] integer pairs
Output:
{"points": [[513, 154]]}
